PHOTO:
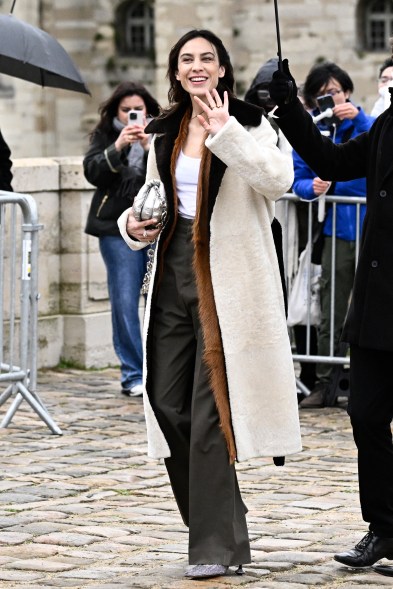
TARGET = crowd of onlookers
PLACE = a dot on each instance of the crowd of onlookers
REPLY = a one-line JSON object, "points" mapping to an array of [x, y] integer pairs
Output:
{"points": [[325, 85]]}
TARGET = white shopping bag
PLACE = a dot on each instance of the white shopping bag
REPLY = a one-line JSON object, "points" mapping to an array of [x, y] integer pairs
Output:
{"points": [[304, 301]]}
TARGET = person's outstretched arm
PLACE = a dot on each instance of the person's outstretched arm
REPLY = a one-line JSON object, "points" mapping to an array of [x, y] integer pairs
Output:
{"points": [[330, 161]]}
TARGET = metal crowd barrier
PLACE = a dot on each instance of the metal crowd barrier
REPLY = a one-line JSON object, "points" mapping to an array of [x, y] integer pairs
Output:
{"points": [[336, 357], [18, 305]]}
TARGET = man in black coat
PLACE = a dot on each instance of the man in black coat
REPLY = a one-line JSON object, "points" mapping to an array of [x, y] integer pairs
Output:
{"points": [[5, 165], [369, 325]]}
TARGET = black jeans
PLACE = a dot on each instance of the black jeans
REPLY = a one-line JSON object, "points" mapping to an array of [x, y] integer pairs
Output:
{"points": [[371, 411], [203, 481]]}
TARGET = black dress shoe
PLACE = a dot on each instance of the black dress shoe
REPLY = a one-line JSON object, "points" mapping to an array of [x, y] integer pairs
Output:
{"points": [[370, 549], [384, 570]]}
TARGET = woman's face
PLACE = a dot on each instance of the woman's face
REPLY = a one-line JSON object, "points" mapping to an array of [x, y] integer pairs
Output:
{"points": [[198, 68], [128, 103], [334, 88]]}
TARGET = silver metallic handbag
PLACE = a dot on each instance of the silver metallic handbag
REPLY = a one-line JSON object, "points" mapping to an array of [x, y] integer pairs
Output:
{"points": [[150, 202]]}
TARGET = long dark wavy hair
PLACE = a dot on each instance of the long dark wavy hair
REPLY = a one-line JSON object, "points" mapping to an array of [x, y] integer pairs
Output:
{"points": [[177, 95], [108, 109]]}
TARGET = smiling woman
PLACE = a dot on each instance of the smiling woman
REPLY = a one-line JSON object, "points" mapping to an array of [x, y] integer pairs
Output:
{"points": [[209, 351], [198, 67]]}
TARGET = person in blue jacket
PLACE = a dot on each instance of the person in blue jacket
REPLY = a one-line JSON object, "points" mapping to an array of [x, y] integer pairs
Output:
{"points": [[348, 121]]}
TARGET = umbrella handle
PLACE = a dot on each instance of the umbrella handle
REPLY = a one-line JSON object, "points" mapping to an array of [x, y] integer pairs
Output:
{"points": [[279, 54], [13, 6]]}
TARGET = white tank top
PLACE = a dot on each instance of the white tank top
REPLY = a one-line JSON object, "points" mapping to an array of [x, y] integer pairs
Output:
{"points": [[187, 172]]}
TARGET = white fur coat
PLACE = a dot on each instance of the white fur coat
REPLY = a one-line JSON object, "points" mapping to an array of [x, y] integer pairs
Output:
{"points": [[247, 292]]}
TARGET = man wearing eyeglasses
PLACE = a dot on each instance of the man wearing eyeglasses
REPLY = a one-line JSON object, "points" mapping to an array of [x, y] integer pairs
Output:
{"points": [[385, 80], [329, 85]]}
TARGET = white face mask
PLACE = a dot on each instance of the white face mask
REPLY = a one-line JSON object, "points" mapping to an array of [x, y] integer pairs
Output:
{"points": [[383, 91]]}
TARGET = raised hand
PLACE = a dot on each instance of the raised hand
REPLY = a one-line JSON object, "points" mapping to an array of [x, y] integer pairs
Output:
{"points": [[215, 114], [282, 88]]}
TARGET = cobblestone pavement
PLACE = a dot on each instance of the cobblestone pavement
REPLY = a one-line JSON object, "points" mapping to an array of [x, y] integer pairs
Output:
{"points": [[89, 509]]}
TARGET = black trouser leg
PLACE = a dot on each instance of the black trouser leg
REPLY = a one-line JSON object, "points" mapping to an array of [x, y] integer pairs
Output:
{"points": [[371, 411], [172, 362], [204, 483], [218, 528]]}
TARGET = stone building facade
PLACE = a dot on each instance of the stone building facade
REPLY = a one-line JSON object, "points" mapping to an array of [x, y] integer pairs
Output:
{"points": [[96, 33]]}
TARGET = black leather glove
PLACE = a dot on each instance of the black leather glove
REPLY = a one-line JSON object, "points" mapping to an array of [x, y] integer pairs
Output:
{"points": [[282, 88]]}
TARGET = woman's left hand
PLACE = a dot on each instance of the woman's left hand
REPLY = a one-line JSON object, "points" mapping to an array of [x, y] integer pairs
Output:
{"points": [[216, 111]]}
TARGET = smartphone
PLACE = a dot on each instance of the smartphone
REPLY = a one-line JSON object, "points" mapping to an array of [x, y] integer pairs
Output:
{"points": [[324, 102], [136, 117]]}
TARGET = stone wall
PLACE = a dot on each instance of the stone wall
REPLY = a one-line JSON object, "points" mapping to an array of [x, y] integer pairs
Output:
{"points": [[74, 311]]}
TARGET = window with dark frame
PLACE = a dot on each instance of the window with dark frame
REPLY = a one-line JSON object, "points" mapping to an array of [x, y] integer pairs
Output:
{"points": [[135, 28], [379, 24]]}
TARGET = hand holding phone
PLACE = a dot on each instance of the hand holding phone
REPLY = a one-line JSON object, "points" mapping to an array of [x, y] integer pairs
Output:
{"points": [[136, 117]]}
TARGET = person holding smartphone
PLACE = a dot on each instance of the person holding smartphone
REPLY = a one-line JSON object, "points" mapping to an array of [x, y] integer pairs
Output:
{"points": [[328, 86], [116, 164]]}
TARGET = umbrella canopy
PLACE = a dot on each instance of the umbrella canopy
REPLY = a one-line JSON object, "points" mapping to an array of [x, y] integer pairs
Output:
{"points": [[29, 53]]}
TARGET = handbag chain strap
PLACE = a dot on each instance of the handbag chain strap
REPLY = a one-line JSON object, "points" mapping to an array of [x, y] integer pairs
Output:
{"points": [[150, 251]]}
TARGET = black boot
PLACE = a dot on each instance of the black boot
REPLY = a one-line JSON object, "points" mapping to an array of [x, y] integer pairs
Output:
{"points": [[370, 549]]}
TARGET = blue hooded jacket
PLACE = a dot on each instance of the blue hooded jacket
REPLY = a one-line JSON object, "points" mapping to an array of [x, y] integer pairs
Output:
{"points": [[304, 176]]}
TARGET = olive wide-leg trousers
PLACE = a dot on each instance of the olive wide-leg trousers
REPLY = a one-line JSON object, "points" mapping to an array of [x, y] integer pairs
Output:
{"points": [[204, 483]]}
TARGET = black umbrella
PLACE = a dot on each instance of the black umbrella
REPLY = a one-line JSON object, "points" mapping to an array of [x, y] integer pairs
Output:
{"points": [[29, 53]]}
